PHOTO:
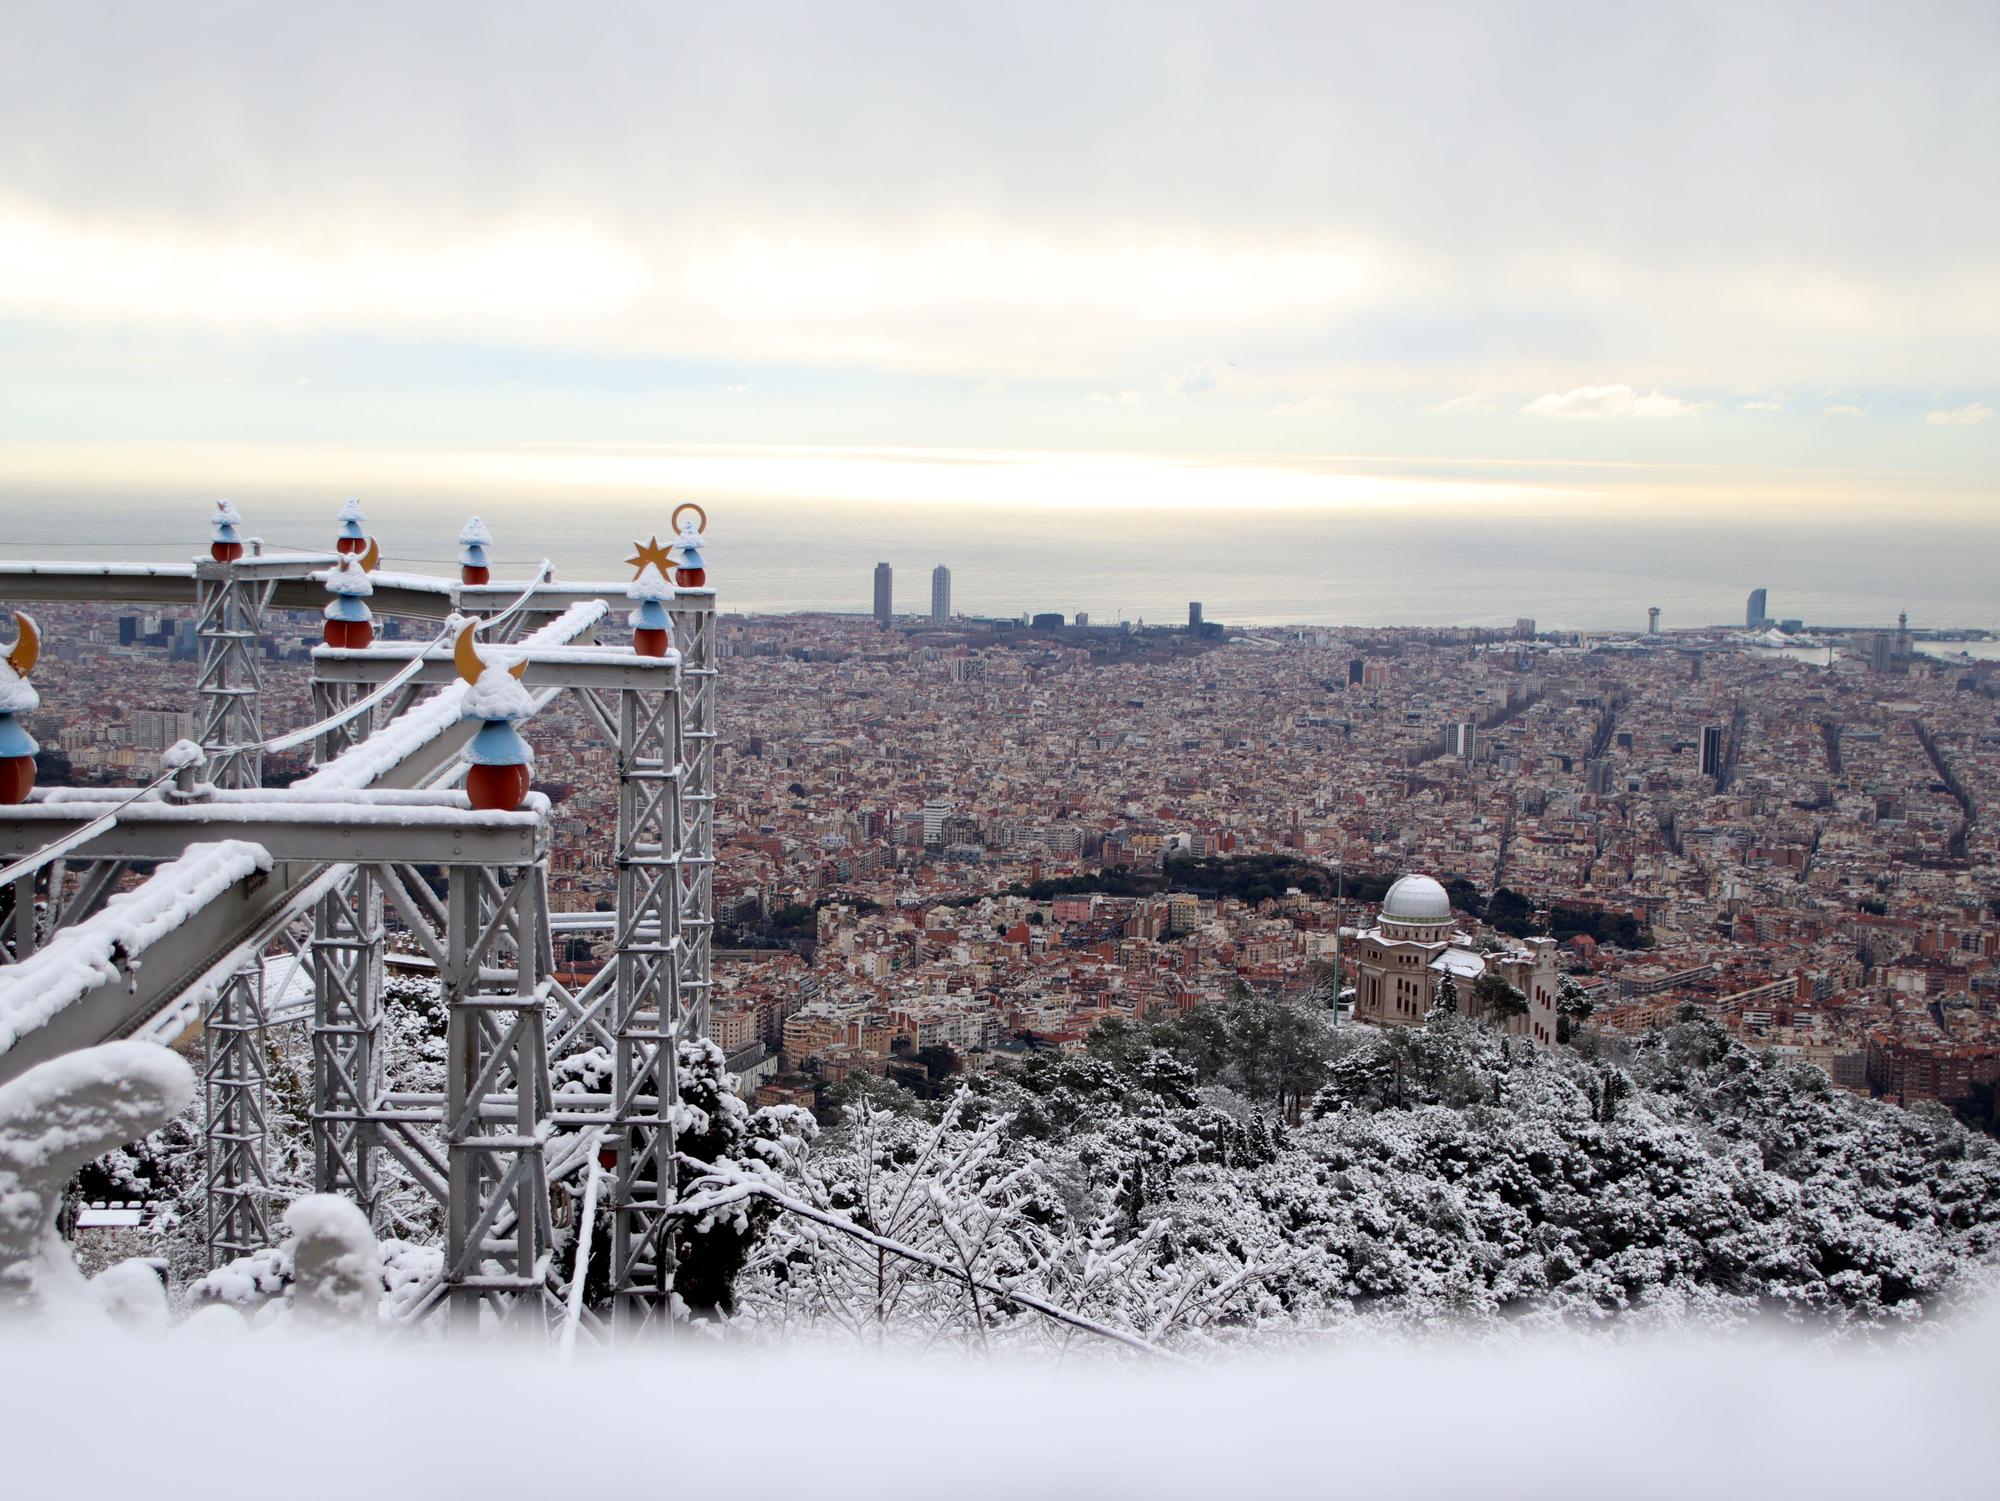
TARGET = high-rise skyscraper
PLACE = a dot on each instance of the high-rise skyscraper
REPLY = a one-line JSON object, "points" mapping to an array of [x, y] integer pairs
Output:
{"points": [[884, 595], [940, 594], [1194, 617], [1753, 614], [936, 811], [1652, 618], [1711, 750]]}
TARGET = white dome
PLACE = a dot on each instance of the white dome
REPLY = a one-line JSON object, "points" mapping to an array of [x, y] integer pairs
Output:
{"points": [[1416, 899]]}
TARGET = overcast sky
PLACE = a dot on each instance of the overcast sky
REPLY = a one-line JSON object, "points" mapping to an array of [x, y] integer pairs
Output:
{"points": [[1755, 236]]}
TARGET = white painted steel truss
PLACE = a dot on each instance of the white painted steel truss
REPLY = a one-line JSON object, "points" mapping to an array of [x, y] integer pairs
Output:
{"points": [[491, 1143]]}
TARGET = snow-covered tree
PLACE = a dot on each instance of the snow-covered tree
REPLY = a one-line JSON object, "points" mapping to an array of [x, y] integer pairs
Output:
{"points": [[1573, 1006], [1444, 1002]]}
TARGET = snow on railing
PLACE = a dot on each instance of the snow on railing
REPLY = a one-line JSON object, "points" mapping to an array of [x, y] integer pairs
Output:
{"points": [[573, 1305], [98, 950], [55, 849]]}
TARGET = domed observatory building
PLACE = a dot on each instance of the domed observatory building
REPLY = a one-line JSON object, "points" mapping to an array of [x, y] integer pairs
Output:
{"points": [[1396, 965], [1392, 961]]}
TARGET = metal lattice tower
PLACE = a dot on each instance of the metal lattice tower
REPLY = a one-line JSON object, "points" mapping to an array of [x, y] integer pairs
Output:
{"points": [[238, 1180], [346, 1054], [497, 1103], [649, 1015], [228, 620], [693, 615]]}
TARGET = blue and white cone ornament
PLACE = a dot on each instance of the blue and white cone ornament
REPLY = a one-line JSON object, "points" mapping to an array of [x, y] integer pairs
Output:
{"points": [[500, 764], [225, 546], [349, 621], [18, 697], [353, 536], [473, 566], [652, 631], [692, 571]]}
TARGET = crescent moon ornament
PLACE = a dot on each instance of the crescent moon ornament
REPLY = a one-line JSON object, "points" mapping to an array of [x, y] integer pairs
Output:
{"points": [[687, 505], [465, 657], [27, 644], [372, 558]]}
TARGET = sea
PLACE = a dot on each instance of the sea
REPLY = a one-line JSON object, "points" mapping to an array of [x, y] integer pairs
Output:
{"points": [[1413, 556]]}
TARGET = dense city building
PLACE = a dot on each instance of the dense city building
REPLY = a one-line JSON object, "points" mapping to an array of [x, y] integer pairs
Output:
{"points": [[978, 837]]}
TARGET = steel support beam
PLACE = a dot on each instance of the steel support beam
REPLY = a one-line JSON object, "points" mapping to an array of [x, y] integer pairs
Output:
{"points": [[648, 1011], [693, 616], [237, 1181], [228, 624], [375, 828], [498, 1235], [346, 1052], [605, 668], [328, 699]]}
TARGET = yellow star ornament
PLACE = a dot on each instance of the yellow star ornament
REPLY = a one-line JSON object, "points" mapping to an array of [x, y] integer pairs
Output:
{"points": [[650, 551]]}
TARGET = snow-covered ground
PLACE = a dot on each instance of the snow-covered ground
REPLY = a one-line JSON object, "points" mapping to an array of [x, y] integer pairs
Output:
{"points": [[210, 1410]]}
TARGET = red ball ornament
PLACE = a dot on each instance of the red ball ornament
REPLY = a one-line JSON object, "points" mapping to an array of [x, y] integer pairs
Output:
{"points": [[352, 634], [496, 789], [649, 643], [690, 578], [355, 545], [17, 779], [467, 574], [225, 552]]}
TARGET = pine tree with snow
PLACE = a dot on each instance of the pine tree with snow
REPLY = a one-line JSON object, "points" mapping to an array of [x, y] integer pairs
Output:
{"points": [[1573, 1007], [1444, 1002]]}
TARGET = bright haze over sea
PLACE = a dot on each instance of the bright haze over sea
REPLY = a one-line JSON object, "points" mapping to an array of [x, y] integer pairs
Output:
{"points": [[1258, 541]]}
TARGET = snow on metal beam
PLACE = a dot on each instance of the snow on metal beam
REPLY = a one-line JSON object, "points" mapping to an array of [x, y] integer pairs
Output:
{"points": [[134, 583], [605, 668], [173, 922], [417, 744], [349, 829], [83, 989]]}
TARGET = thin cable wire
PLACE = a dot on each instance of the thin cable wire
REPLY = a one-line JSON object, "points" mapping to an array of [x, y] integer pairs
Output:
{"points": [[57, 848], [333, 721]]}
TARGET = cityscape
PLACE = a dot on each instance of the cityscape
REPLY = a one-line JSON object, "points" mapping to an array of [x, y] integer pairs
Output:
{"points": [[963, 838], [1176, 738]]}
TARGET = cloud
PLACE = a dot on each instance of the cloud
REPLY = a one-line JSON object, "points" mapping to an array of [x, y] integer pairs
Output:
{"points": [[1125, 398], [1460, 405], [738, 389], [205, 195], [1314, 404], [1765, 404], [1194, 380], [1970, 415], [1587, 402], [991, 388], [1846, 409]]}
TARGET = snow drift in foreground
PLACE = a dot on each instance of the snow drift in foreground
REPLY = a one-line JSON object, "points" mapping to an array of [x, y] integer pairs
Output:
{"points": [[330, 1417]]}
